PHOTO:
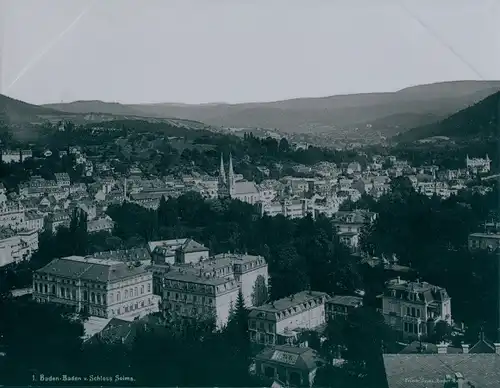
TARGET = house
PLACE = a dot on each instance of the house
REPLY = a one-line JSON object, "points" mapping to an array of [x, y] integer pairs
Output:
{"points": [[17, 246], [292, 208], [183, 250], [349, 225], [275, 323], [478, 165], [340, 306], [490, 241], [55, 220], [34, 220], [62, 179], [290, 365], [414, 308], [104, 224], [11, 156], [104, 288], [12, 215]]}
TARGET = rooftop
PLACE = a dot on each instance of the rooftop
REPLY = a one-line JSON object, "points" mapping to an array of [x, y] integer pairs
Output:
{"points": [[292, 304], [301, 358], [430, 370], [91, 269]]}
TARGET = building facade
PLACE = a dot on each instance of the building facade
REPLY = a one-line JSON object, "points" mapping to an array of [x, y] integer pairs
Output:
{"points": [[414, 308], [208, 288], [102, 288], [276, 323]]}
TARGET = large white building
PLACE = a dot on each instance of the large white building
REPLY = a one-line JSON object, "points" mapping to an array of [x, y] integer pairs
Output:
{"points": [[101, 287], [208, 287], [230, 187]]}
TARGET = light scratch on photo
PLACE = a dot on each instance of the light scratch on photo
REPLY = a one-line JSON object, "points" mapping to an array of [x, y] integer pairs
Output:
{"points": [[49, 46]]}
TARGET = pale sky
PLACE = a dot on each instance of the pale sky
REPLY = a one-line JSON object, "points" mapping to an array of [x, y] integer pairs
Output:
{"points": [[197, 51]]}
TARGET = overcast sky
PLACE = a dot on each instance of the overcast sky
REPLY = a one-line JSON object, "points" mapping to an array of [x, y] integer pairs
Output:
{"points": [[241, 50]]}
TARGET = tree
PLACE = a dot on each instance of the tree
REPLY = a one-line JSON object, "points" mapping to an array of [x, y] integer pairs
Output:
{"points": [[260, 294], [442, 331]]}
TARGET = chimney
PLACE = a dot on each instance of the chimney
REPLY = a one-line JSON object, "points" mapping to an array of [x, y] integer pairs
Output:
{"points": [[442, 348], [459, 380], [465, 349]]}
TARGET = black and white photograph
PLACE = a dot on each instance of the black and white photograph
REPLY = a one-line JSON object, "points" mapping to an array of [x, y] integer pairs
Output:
{"points": [[250, 193]]}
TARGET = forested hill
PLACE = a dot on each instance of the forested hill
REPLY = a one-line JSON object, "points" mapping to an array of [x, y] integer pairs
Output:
{"points": [[478, 120]]}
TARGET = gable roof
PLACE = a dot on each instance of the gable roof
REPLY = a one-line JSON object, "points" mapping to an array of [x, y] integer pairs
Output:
{"points": [[301, 358], [86, 268]]}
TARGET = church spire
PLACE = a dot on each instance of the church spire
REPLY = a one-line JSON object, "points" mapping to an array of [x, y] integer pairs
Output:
{"points": [[230, 174], [222, 173], [231, 171]]}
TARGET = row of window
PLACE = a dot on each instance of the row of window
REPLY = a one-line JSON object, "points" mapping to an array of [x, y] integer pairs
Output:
{"points": [[189, 298], [190, 286], [263, 326], [129, 293], [183, 310], [413, 312], [130, 308], [412, 328]]}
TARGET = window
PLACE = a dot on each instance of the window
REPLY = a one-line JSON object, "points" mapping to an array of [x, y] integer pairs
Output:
{"points": [[176, 296], [126, 294], [118, 295], [135, 291], [85, 295], [45, 288], [111, 298], [92, 297], [149, 287], [406, 326], [142, 289], [74, 294], [194, 299]]}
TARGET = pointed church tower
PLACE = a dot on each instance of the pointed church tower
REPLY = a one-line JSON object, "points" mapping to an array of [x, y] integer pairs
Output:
{"points": [[222, 173], [230, 175], [222, 191]]}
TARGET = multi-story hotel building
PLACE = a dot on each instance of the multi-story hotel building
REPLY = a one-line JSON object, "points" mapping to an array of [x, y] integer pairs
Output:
{"points": [[276, 323], [102, 288], [246, 269], [413, 308], [209, 287]]}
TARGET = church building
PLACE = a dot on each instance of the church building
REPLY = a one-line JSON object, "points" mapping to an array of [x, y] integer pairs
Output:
{"points": [[231, 187]]}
